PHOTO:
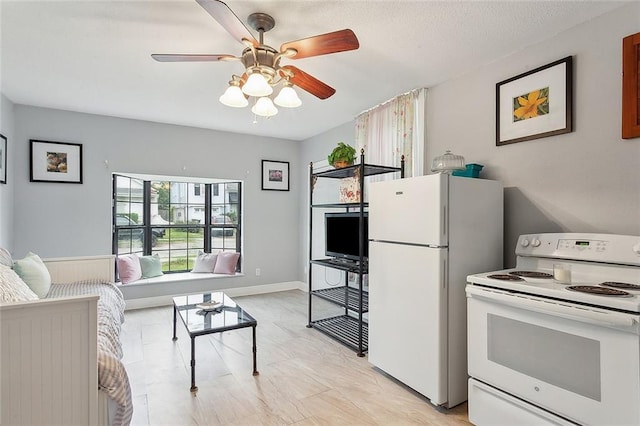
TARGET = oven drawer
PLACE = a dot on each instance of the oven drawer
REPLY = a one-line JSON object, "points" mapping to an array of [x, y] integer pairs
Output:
{"points": [[557, 357], [490, 407]]}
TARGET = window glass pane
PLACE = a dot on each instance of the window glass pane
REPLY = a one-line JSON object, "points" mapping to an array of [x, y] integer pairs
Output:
{"points": [[123, 188], [177, 260], [195, 238], [178, 214], [223, 239], [179, 193], [231, 190], [195, 213], [195, 193], [136, 213], [160, 202], [158, 237], [130, 240]]}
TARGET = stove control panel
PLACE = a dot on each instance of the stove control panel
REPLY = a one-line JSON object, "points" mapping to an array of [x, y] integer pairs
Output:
{"points": [[608, 248], [596, 245]]}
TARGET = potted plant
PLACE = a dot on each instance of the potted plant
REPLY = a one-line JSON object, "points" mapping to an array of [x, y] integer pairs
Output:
{"points": [[342, 156]]}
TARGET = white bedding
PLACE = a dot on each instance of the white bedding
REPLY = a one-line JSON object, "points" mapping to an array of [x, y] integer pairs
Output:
{"points": [[112, 376]]}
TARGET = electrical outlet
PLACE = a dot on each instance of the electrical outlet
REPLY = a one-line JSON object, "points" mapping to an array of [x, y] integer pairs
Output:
{"points": [[257, 272]]}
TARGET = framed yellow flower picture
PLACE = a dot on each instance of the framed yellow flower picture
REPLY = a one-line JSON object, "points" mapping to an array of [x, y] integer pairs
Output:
{"points": [[536, 104]]}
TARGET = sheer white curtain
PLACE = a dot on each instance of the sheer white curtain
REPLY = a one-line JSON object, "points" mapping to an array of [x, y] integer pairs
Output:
{"points": [[392, 129]]}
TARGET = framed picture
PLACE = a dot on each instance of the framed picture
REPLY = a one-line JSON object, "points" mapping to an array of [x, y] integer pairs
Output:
{"points": [[630, 86], [535, 104], [275, 175], [56, 162], [3, 159]]}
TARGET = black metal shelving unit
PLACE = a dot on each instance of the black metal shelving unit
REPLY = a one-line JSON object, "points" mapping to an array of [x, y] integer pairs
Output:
{"points": [[350, 328]]}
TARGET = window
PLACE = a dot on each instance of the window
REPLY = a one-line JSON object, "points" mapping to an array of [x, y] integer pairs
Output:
{"points": [[175, 219]]}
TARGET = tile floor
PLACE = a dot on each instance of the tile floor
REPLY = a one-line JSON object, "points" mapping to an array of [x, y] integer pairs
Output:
{"points": [[305, 377]]}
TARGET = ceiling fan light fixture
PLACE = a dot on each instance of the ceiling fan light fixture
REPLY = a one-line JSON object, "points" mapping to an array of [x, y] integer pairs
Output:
{"points": [[234, 97], [257, 85], [264, 107], [288, 98]]}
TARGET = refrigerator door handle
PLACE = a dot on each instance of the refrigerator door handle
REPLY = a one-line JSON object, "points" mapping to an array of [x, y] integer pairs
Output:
{"points": [[444, 274], [399, 243], [444, 221]]}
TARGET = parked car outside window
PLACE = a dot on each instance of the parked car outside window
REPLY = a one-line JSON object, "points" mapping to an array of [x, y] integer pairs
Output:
{"points": [[136, 233], [219, 220]]}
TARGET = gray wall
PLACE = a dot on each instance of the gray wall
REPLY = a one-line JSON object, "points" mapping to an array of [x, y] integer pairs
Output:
{"points": [[584, 181], [57, 220], [316, 150], [7, 191]]}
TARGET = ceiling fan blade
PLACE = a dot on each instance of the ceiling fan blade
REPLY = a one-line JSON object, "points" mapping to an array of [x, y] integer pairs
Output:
{"points": [[192, 57], [307, 82], [229, 21], [338, 41]]}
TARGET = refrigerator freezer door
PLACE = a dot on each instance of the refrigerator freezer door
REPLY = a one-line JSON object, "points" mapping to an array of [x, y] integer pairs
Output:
{"points": [[412, 210], [407, 316]]}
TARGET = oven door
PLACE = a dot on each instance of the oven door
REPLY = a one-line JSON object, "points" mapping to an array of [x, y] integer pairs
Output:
{"points": [[578, 362]]}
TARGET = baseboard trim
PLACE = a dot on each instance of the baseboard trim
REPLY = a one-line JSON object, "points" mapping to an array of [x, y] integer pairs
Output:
{"points": [[167, 300]]}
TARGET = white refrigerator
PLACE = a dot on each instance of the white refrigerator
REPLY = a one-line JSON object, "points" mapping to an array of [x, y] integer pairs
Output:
{"points": [[426, 234]]}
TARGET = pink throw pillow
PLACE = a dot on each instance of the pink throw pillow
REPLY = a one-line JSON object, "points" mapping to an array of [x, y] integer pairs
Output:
{"points": [[226, 263], [129, 269]]}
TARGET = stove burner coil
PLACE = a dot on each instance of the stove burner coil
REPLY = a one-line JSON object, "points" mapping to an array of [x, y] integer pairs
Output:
{"points": [[531, 274], [505, 277], [625, 286], [603, 291]]}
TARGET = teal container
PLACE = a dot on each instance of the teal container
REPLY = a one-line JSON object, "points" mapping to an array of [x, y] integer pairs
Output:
{"points": [[471, 170]]}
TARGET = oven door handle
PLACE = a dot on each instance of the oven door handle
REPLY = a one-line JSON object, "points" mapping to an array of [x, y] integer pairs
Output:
{"points": [[576, 313]]}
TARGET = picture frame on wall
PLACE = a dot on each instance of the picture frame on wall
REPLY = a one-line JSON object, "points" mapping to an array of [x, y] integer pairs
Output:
{"points": [[55, 162], [3, 159], [631, 86], [536, 104], [275, 175]]}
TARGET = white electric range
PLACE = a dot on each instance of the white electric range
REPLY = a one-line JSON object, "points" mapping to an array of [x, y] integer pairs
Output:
{"points": [[547, 352]]}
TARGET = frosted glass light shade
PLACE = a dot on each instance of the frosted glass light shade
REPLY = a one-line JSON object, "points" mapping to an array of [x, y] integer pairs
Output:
{"points": [[264, 108], [257, 85], [288, 98], [234, 97]]}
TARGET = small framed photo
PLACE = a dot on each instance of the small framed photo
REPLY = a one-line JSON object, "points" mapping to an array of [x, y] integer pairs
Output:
{"points": [[275, 175], [3, 159], [536, 104], [56, 162]]}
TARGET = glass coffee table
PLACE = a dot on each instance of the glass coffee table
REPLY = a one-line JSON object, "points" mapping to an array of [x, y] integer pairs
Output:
{"points": [[209, 313]]}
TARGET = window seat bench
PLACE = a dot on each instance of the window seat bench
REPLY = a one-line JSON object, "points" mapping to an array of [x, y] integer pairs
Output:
{"points": [[159, 291]]}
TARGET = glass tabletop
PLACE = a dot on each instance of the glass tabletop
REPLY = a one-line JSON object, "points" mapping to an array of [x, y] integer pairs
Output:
{"points": [[205, 318]]}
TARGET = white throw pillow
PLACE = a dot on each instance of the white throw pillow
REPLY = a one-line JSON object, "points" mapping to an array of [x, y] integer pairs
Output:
{"points": [[12, 288], [34, 272], [205, 262]]}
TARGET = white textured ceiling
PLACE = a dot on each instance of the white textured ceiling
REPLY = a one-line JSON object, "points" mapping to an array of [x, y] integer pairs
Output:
{"points": [[93, 56]]}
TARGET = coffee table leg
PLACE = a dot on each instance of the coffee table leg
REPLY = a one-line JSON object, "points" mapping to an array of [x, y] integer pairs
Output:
{"points": [[255, 371], [175, 313], [193, 365]]}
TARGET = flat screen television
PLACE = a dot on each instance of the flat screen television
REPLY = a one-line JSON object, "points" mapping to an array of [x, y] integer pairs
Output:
{"points": [[342, 235]]}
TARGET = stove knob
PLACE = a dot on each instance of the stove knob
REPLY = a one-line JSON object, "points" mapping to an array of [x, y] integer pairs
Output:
{"points": [[636, 248], [535, 242], [524, 243]]}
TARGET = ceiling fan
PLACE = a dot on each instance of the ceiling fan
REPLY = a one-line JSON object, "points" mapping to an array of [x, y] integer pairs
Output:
{"points": [[262, 62]]}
